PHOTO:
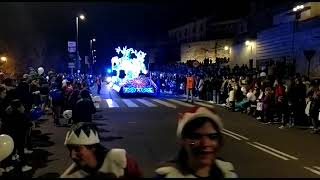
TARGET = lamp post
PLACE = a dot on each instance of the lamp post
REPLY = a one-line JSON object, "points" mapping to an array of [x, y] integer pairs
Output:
{"points": [[297, 13], [82, 17], [92, 51]]}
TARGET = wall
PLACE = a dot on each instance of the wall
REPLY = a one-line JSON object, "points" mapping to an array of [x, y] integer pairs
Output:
{"points": [[241, 53], [204, 49], [307, 40]]}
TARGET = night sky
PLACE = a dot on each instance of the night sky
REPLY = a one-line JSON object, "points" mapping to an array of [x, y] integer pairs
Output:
{"points": [[112, 23]]}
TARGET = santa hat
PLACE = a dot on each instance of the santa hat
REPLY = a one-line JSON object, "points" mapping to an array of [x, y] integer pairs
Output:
{"points": [[82, 134], [195, 113]]}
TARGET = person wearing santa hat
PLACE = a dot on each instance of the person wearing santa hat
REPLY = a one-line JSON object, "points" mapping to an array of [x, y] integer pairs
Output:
{"points": [[92, 159], [199, 135]]}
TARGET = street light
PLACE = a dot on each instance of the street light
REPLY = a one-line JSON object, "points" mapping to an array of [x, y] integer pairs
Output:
{"points": [[226, 48], [94, 40], [82, 17], [297, 13], [3, 59]]}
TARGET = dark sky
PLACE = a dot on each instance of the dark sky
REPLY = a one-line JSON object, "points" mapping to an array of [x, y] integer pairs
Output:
{"points": [[112, 23]]}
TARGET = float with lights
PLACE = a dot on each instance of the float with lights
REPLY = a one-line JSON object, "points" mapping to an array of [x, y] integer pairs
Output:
{"points": [[129, 73]]}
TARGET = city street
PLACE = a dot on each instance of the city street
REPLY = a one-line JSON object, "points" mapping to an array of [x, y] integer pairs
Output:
{"points": [[146, 127]]}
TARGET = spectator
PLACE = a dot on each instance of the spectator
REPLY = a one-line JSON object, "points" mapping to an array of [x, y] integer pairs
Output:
{"points": [[200, 137], [92, 159], [84, 108], [16, 125]]}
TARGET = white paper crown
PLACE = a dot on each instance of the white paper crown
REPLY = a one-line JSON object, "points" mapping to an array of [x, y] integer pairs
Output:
{"points": [[82, 139], [200, 112]]}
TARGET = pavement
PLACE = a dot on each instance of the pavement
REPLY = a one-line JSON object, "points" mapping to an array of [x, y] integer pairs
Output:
{"points": [[146, 127]]}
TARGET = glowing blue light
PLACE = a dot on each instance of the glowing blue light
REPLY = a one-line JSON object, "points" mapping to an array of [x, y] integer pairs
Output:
{"points": [[109, 70], [130, 90], [90, 76]]}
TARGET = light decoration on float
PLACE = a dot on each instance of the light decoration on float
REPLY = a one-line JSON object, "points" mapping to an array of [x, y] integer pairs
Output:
{"points": [[132, 66]]}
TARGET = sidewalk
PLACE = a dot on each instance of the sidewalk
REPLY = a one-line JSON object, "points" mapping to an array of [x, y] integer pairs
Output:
{"points": [[49, 158]]}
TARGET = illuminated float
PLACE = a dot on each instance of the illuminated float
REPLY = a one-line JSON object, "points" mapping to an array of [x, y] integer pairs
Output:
{"points": [[129, 73]]}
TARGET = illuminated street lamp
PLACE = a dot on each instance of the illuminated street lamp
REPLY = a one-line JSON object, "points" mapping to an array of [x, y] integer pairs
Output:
{"points": [[3, 59], [226, 48], [82, 17]]}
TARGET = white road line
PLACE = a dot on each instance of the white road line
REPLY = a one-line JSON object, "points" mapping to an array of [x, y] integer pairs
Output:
{"points": [[204, 104], [316, 167], [235, 137], [147, 103], [236, 134], [129, 103], [277, 151], [164, 103], [181, 103], [267, 151], [111, 103], [312, 170]]}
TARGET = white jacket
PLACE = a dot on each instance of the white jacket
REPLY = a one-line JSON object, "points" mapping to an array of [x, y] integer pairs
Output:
{"points": [[115, 162], [172, 172]]}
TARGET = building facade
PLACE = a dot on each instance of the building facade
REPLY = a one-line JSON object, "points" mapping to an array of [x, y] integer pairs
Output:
{"points": [[289, 36]]}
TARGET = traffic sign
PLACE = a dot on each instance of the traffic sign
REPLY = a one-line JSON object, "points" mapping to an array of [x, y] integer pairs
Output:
{"points": [[72, 46]]}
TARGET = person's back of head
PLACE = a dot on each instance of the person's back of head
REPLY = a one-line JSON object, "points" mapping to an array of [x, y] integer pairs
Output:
{"points": [[85, 93]]}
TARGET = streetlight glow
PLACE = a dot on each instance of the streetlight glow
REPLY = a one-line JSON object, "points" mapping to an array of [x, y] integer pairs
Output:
{"points": [[248, 43], [94, 40], [226, 48], [94, 50], [299, 7], [3, 58], [82, 17]]}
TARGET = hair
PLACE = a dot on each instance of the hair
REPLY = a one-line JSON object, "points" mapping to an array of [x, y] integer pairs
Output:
{"points": [[84, 93], [15, 104]]}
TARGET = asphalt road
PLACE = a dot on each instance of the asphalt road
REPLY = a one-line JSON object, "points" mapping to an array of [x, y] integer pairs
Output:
{"points": [[146, 127]]}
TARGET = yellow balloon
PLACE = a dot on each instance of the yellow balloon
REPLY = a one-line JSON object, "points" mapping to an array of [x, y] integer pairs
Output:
{"points": [[6, 146]]}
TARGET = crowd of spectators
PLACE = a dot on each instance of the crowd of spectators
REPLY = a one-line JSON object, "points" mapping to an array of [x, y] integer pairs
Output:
{"points": [[269, 94]]}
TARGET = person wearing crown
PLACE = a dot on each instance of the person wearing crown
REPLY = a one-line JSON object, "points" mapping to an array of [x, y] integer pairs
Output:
{"points": [[199, 135], [92, 159]]}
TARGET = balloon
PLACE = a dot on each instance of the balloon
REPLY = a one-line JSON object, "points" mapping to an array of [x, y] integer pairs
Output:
{"points": [[96, 99], [36, 113], [67, 114], [6, 146], [263, 74], [40, 70], [64, 82]]}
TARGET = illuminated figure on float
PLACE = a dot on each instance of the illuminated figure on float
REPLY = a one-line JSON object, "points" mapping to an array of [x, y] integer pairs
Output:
{"points": [[132, 63]]}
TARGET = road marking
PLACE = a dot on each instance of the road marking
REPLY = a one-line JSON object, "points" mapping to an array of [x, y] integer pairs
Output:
{"points": [[204, 104], [277, 151], [312, 170], [236, 134], [181, 103], [111, 103], [129, 103], [149, 104], [267, 151], [165, 103], [235, 137], [316, 167]]}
